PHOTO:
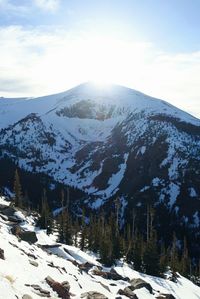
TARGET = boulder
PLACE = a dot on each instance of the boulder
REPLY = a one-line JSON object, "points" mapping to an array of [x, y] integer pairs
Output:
{"points": [[28, 236], [33, 263], [115, 276], [14, 219], [26, 296], [109, 275], [66, 285], [4, 217], [2, 257], [165, 296], [61, 289], [86, 266], [16, 230], [7, 210], [93, 295], [138, 283], [128, 293]]}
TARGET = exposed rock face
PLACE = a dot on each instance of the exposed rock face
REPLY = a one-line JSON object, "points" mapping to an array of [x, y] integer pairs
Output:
{"points": [[139, 283], [128, 293], [16, 230], [61, 289], [109, 275], [28, 236], [86, 266], [2, 254], [165, 296], [26, 297], [8, 211], [33, 263]]}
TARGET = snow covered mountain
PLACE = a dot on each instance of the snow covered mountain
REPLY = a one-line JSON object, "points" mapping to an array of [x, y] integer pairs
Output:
{"points": [[109, 142], [41, 267]]}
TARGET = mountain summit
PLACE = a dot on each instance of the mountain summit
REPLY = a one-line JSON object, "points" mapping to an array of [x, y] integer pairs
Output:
{"points": [[109, 143]]}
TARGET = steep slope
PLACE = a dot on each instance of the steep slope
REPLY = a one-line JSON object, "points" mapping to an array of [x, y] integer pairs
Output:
{"points": [[111, 142], [26, 269]]}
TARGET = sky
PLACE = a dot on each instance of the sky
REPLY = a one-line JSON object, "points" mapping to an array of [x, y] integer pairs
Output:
{"points": [[48, 46]]}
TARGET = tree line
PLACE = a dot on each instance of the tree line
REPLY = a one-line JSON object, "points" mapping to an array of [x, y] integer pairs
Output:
{"points": [[102, 234]]}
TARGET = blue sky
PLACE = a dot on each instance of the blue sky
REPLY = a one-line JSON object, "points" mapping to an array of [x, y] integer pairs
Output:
{"points": [[51, 45]]}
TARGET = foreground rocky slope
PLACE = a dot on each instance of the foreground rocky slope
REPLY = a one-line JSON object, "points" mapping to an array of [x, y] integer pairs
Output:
{"points": [[42, 268]]}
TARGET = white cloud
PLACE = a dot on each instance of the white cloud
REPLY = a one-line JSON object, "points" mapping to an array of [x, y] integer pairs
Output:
{"points": [[49, 5], [35, 62]]}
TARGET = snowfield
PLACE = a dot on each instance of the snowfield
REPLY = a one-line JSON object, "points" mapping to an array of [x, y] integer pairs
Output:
{"points": [[26, 266]]}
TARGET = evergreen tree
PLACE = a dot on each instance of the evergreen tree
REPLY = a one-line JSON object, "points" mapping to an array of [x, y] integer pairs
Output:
{"points": [[64, 223], [106, 247], [136, 251], [83, 241], [164, 259], [151, 257], [174, 258], [45, 221], [61, 237], [18, 198], [185, 261]]}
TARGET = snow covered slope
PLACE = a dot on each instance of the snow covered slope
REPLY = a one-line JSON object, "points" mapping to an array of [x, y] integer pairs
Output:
{"points": [[111, 142], [25, 267]]}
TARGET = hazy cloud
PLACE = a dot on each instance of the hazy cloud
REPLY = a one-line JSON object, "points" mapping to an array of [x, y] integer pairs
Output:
{"points": [[35, 62]]}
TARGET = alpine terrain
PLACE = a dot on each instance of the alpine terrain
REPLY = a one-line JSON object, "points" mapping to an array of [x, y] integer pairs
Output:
{"points": [[112, 149]]}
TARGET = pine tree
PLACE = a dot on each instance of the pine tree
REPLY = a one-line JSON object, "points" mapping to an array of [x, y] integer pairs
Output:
{"points": [[61, 237], [64, 223], [174, 259], [136, 251], [164, 259], [106, 247], [83, 240], [18, 198], [185, 261], [151, 256], [76, 229], [45, 221]]}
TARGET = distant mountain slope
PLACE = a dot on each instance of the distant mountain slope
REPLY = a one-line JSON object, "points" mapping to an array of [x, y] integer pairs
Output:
{"points": [[111, 142]]}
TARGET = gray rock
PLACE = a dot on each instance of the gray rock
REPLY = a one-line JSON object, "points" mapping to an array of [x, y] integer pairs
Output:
{"points": [[33, 263], [128, 293], [26, 297], [165, 296], [8, 211], [16, 230], [139, 283], [93, 295], [61, 290], [66, 285], [28, 236]]}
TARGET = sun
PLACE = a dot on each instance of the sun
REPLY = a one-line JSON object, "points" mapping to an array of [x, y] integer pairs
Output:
{"points": [[102, 58]]}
